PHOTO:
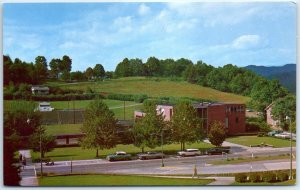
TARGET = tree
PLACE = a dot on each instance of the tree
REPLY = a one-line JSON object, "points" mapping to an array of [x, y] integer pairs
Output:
{"points": [[20, 121], [99, 126], [7, 62], [89, 73], [99, 71], [186, 125], [47, 141], [41, 67], [54, 63], [153, 66], [123, 69], [147, 130], [217, 133], [283, 107], [264, 92], [65, 66], [78, 75]]}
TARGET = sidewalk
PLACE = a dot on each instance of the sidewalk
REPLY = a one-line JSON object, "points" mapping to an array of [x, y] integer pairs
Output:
{"points": [[28, 176]]}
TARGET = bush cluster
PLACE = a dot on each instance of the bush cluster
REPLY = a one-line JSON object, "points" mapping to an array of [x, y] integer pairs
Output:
{"points": [[241, 178], [268, 177]]}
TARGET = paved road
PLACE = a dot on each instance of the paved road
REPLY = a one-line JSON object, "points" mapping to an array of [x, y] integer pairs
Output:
{"points": [[173, 165]]}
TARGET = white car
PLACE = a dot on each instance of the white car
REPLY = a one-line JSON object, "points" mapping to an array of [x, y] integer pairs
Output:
{"points": [[189, 152], [283, 135], [44, 107]]}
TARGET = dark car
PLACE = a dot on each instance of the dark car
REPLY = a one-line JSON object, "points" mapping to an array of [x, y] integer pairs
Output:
{"points": [[118, 156], [150, 155], [217, 151]]}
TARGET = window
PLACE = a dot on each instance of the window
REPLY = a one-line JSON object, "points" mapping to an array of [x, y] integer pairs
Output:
{"points": [[236, 120], [226, 122]]}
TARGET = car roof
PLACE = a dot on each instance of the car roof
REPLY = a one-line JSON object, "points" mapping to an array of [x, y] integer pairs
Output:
{"points": [[191, 149], [120, 152]]}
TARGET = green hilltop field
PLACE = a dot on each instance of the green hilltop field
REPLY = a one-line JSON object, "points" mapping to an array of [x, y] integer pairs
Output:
{"points": [[155, 87]]}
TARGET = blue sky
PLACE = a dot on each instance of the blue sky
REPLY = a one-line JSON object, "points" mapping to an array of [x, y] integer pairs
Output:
{"points": [[90, 33]]}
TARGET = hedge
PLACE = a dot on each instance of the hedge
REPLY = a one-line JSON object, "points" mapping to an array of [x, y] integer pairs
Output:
{"points": [[128, 97], [254, 177], [282, 176], [268, 177], [241, 178]]}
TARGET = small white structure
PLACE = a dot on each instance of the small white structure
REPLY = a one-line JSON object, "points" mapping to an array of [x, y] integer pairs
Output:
{"points": [[45, 106], [43, 90]]}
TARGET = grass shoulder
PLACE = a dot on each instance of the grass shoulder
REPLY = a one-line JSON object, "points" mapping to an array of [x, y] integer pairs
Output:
{"points": [[254, 140], [119, 180], [247, 160]]}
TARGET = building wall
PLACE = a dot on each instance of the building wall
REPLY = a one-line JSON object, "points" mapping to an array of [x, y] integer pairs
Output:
{"points": [[236, 115], [166, 110], [233, 116], [270, 120]]}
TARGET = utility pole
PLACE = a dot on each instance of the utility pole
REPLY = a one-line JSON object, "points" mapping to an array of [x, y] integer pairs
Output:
{"points": [[162, 149], [73, 111], [124, 109], [291, 148], [41, 159]]}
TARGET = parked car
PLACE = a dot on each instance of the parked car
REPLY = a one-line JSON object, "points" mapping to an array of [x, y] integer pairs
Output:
{"points": [[217, 150], [150, 155], [118, 156], [283, 135], [189, 152], [273, 133], [44, 107]]}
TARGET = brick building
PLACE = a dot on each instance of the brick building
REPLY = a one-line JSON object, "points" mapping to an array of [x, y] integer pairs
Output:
{"points": [[232, 115]]}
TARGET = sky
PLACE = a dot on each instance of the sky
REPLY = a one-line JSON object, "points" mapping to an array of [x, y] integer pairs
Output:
{"points": [[90, 33]]}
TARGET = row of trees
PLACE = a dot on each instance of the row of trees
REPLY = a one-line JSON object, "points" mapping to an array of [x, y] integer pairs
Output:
{"points": [[18, 71], [185, 127]]}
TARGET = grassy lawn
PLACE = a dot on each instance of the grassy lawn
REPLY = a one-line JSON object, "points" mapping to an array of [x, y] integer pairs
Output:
{"points": [[254, 140], [288, 182], [156, 87], [84, 103], [115, 105], [77, 153], [63, 129], [118, 180], [243, 160]]}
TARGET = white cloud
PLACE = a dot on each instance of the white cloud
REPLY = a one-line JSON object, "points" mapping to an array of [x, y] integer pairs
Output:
{"points": [[246, 41], [143, 9]]}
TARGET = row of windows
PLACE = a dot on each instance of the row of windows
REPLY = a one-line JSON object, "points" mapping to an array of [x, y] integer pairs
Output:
{"points": [[234, 109]]}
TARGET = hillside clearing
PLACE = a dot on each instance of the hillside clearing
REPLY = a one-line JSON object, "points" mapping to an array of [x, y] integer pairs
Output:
{"points": [[158, 87]]}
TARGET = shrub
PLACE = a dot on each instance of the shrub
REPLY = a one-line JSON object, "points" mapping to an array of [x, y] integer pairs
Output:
{"points": [[241, 178], [139, 98], [261, 134], [254, 177], [294, 175], [282, 176], [268, 177]]}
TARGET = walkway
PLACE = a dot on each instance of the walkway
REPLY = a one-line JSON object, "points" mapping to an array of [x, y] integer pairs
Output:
{"points": [[28, 176]]}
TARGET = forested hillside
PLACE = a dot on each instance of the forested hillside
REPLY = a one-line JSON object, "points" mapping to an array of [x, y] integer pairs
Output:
{"points": [[285, 74]]}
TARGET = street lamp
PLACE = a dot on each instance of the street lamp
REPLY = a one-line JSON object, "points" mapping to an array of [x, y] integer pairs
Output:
{"points": [[291, 150], [162, 149]]}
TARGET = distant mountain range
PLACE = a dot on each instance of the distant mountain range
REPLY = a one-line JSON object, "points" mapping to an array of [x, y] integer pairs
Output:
{"points": [[286, 74]]}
